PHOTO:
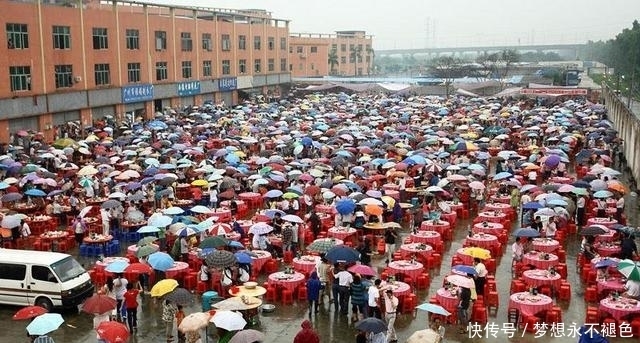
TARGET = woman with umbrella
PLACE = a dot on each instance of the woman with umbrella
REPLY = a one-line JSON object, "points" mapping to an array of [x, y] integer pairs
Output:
{"points": [[464, 297]]}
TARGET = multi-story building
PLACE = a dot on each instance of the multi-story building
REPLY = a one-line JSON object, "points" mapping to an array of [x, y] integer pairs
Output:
{"points": [[83, 60], [345, 53]]}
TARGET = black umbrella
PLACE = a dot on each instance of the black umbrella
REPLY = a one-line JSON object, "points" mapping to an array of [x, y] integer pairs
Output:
{"points": [[9, 197], [371, 324], [180, 296], [593, 231], [109, 204], [220, 259]]}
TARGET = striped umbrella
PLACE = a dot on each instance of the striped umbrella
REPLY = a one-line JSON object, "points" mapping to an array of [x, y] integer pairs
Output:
{"points": [[322, 245], [630, 269]]}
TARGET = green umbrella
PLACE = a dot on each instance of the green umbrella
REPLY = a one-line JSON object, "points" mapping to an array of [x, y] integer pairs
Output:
{"points": [[147, 240], [63, 143], [322, 245], [146, 250], [213, 242], [629, 269], [290, 195]]}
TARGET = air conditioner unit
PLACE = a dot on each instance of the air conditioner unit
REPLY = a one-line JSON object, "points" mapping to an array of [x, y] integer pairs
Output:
{"points": [[303, 56], [77, 79]]}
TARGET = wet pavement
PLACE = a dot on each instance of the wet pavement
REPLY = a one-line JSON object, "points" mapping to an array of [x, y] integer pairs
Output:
{"points": [[283, 324]]}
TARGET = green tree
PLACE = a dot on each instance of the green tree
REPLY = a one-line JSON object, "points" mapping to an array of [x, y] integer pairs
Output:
{"points": [[372, 54], [355, 55], [333, 61], [447, 68]]}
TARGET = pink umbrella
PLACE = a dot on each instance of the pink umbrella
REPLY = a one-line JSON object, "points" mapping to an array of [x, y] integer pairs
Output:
{"points": [[362, 270]]}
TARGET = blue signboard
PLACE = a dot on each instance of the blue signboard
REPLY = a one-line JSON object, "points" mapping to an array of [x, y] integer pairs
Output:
{"points": [[137, 93], [188, 88], [227, 84]]}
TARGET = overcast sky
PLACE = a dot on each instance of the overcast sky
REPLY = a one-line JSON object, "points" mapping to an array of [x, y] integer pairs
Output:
{"points": [[450, 23]]}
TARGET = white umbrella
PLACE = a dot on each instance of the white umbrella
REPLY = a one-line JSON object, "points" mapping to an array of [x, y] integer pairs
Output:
{"points": [[11, 221], [87, 171], [228, 320], [260, 228], [200, 209], [117, 195], [173, 210]]}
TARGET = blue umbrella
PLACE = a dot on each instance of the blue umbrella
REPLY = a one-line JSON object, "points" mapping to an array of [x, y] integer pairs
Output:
{"points": [[45, 323], [148, 229], [534, 205], [160, 261], [557, 202], [433, 308], [157, 125], [160, 221], [243, 258], [606, 262], [526, 232], [345, 206], [274, 193], [235, 244], [306, 141], [272, 213], [232, 158], [342, 253], [117, 266], [34, 192], [464, 270], [599, 194], [502, 176]]}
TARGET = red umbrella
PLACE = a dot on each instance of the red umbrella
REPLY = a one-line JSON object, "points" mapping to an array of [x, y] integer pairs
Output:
{"points": [[113, 332], [139, 268], [99, 304], [362, 270], [228, 194], [312, 190], [306, 178], [29, 312]]}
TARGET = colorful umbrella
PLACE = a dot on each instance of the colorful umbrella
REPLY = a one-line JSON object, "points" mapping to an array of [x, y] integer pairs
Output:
{"points": [[163, 287], [321, 245], [99, 304], [362, 270], [630, 269], [113, 332], [29, 312]]}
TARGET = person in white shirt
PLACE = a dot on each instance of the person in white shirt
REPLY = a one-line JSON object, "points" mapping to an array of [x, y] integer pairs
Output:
{"points": [[551, 229], [601, 206], [344, 280], [580, 210], [481, 277], [119, 289], [518, 250], [632, 289], [390, 306], [25, 231], [532, 177], [374, 300], [619, 208]]}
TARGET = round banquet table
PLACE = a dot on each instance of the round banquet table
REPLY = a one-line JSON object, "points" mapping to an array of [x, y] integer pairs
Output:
{"points": [[438, 226], [103, 263], [98, 239], [260, 259], [183, 203], [223, 214], [250, 197], [411, 269], [245, 225], [561, 179], [487, 227], [611, 284], [241, 204], [450, 218], [306, 264], [133, 249], [454, 207], [131, 226], [529, 304], [426, 237], [390, 187], [483, 240], [447, 299], [232, 236], [340, 232], [288, 281], [490, 216], [421, 249], [399, 288], [607, 237], [539, 277], [620, 307], [54, 236], [535, 259], [275, 240], [328, 209], [546, 244], [498, 206], [609, 223], [607, 250], [178, 269], [466, 259], [504, 199]]}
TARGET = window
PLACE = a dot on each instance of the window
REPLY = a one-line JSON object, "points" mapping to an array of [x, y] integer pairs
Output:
{"points": [[343, 59], [132, 36], [242, 42], [291, 50], [20, 78], [226, 42], [186, 43], [226, 67], [351, 47], [271, 43], [352, 58], [283, 64], [256, 42], [64, 76], [161, 40], [207, 43], [290, 67], [334, 47], [206, 68], [368, 49], [283, 43], [17, 36], [314, 49], [299, 49], [100, 41], [242, 66], [61, 37], [343, 47], [359, 47], [133, 72], [359, 71], [9, 271], [186, 69], [313, 66], [271, 64], [300, 66], [102, 75], [257, 65], [43, 274], [161, 71]]}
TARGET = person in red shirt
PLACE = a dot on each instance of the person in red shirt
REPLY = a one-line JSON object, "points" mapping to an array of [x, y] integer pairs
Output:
{"points": [[131, 304]]}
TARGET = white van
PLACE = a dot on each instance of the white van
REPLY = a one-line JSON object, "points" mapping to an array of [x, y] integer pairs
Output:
{"points": [[43, 278]]}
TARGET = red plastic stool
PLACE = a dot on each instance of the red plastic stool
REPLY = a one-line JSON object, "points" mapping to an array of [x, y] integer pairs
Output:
{"points": [[434, 300], [270, 266], [437, 259], [562, 255], [190, 281], [635, 327], [561, 268], [592, 318], [302, 293], [272, 294], [202, 286], [479, 314], [422, 282], [517, 286], [287, 297], [591, 294], [381, 247], [530, 323], [492, 300], [564, 293], [397, 256], [465, 214], [546, 290], [552, 317], [288, 257]]}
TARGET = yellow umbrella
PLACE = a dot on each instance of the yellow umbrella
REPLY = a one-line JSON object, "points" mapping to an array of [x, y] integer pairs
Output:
{"points": [[240, 154], [200, 183], [163, 287], [389, 201], [476, 252]]}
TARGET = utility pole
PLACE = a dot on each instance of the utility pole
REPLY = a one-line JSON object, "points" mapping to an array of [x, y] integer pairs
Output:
{"points": [[426, 40]]}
